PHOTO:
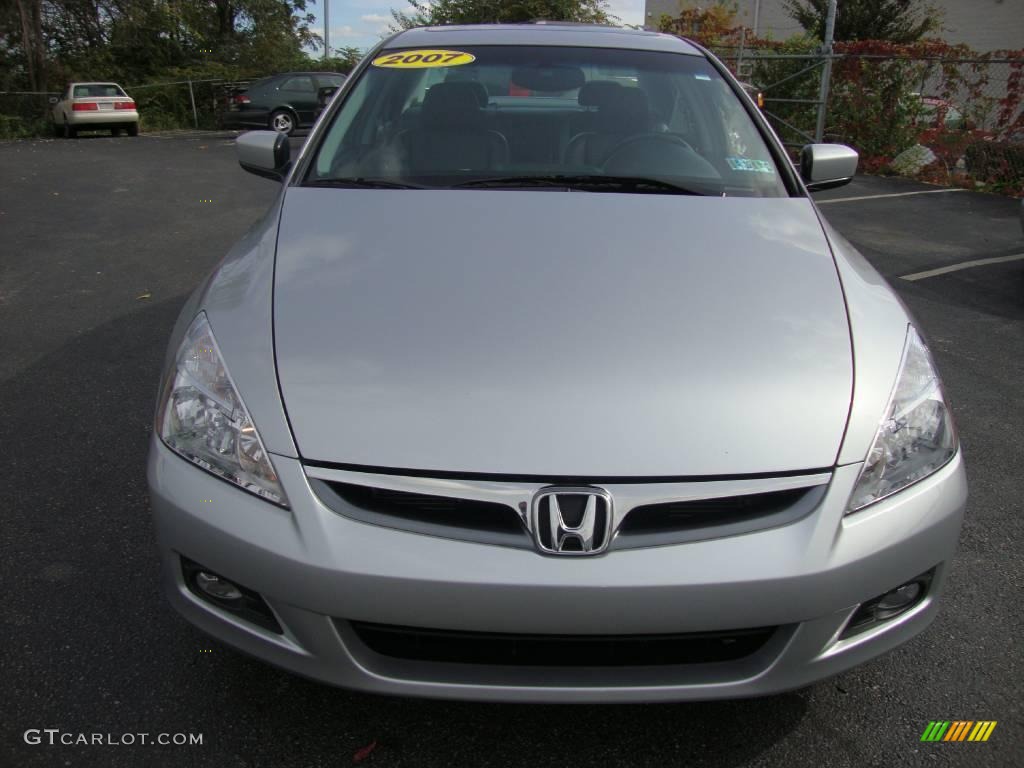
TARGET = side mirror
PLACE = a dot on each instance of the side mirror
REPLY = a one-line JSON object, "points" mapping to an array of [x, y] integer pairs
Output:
{"points": [[265, 153], [824, 166], [325, 93], [54, 99]]}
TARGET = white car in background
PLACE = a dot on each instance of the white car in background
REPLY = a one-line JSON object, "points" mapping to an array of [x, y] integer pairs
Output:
{"points": [[94, 107]]}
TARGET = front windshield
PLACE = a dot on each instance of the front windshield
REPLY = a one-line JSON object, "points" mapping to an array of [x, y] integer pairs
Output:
{"points": [[502, 114]]}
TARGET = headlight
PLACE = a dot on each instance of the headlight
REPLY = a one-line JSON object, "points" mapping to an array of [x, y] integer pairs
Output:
{"points": [[916, 435], [203, 418]]}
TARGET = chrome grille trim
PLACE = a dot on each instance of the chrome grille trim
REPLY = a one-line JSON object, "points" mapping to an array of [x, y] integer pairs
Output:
{"points": [[628, 496]]}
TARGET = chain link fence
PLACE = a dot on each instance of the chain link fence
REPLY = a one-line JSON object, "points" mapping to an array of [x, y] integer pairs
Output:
{"points": [[184, 103], [162, 106], [24, 113], [949, 120]]}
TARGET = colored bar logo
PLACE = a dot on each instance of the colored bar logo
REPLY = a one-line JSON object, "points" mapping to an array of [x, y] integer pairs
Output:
{"points": [[958, 730]]}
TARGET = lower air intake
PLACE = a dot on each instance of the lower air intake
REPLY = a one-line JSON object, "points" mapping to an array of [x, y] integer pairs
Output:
{"points": [[491, 648]]}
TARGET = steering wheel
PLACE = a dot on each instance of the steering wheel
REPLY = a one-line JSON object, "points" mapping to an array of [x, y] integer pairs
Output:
{"points": [[659, 154], [654, 138]]}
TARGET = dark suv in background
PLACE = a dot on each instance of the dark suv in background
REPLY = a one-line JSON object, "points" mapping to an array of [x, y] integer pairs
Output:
{"points": [[281, 102]]}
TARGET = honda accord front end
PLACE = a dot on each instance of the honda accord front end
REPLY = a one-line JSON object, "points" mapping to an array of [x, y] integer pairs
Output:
{"points": [[544, 380]]}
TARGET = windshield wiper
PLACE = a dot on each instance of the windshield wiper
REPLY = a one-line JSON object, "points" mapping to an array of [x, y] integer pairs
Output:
{"points": [[589, 182], [361, 183]]}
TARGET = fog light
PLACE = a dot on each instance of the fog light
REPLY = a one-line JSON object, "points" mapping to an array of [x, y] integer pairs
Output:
{"points": [[898, 599], [893, 603], [229, 596], [216, 587]]}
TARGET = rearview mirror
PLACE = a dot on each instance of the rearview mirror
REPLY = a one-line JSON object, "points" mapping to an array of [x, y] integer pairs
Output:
{"points": [[53, 99], [553, 79], [265, 153], [824, 166]]}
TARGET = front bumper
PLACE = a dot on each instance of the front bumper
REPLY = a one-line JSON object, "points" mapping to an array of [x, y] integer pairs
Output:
{"points": [[319, 570]]}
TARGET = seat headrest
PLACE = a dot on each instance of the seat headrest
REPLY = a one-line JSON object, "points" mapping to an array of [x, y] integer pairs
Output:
{"points": [[454, 104], [629, 111], [597, 93], [481, 90]]}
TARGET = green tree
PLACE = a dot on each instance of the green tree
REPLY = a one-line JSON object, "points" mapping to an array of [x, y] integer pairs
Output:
{"points": [[24, 24], [900, 21], [43, 43], [426, 13], [342, 59], [710, 26]]}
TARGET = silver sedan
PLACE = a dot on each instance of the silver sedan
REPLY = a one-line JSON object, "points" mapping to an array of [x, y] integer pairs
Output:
{"points": [[543, 379]]}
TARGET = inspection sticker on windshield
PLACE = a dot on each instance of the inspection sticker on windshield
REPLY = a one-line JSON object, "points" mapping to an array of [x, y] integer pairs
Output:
{"points": [[422, 59], [752, 166]]}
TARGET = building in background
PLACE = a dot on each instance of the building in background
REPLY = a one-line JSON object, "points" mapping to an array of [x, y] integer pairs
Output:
{"points": [[984, 25]]}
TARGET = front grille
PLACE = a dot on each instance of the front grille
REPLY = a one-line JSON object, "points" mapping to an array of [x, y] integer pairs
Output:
{"points": [[484, 521], [504, 518], [440, 510], [501, 649], [699, 513], [680, 521]]}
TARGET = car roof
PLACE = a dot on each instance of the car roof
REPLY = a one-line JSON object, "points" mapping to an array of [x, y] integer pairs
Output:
{"points": [[542, 33], [93, 82]]}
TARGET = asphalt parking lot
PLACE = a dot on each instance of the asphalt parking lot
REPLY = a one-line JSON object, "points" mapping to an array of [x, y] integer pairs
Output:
{"points": [[102, 239]]}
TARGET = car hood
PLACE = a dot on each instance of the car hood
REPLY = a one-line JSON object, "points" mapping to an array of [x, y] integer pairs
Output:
{"points": [[559, 333]]}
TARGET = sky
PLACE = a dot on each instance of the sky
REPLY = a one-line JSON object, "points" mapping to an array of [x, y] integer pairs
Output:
{"points": [[361, 23]]}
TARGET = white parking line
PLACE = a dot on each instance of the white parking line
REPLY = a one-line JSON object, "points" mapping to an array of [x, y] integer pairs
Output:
{"points": [[894, 194], [961, 265], [186, 134]]}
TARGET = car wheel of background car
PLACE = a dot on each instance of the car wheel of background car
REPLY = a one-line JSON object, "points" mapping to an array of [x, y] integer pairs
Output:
{"points": [[69, 132], [133, 129], [282, 121]]}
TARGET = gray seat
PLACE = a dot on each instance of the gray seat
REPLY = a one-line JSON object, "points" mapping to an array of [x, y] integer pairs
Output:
{"points": [[478, 88], [452, 133], [621, 112], [592, 95]]}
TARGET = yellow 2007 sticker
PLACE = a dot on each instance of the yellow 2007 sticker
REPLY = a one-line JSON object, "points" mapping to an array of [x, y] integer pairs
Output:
{"points": [[425, 58]]}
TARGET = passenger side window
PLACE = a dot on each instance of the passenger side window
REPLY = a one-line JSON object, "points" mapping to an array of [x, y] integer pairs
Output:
{"points": [[302, 84]]}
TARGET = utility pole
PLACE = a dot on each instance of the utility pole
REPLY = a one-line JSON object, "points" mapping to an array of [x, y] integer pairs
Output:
{"points": [[826, 71], [192, 97], [327, 29], [757, 15]]}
